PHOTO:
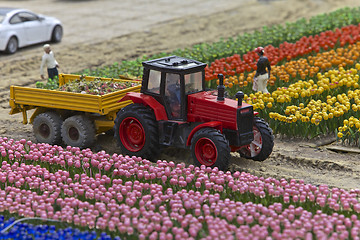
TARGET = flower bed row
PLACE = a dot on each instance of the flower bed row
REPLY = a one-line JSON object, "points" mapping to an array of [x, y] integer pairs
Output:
{"points": [[275, 107], [304, 69], [26, 231], [269, 35], [237, 64], [317, 106], [133, 198]]}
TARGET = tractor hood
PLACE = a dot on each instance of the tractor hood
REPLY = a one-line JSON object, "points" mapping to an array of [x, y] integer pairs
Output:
{"points": [[204, 107]]}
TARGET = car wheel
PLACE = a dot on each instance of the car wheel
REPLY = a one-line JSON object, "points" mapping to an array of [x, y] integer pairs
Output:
{"points": [[57, 34], [12, 45]]}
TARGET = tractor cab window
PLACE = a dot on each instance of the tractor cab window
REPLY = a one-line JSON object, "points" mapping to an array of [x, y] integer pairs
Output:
{"points": [[154, 81], [173, 94], [193, 82]]}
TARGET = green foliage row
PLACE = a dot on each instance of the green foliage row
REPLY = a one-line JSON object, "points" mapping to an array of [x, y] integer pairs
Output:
{"points": [[50, 84], [243, 43]]}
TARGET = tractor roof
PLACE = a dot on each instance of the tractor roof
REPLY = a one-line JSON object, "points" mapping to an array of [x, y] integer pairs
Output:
{"points": [[175, 64]]}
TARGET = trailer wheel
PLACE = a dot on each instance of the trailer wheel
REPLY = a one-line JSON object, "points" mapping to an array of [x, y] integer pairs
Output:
{"points": [[78, 131], [47, 128], [136, 132], [262, 145], [210, 148]]}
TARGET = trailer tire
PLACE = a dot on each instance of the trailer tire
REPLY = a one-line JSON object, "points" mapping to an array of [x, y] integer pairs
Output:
{"points": [[210, 148], [263, 143], [78, 131], [136, 132], [47, 128]]}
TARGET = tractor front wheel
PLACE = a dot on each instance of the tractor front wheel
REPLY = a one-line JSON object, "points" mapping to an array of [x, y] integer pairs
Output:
{"points": [[210, 148], [262, 145], [136, 132]]}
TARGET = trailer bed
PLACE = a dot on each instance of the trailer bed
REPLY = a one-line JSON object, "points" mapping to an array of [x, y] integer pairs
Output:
{"points": [[26, 98]]}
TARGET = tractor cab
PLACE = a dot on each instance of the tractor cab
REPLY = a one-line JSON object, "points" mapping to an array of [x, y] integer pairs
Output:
{"points": [[170, 80]]}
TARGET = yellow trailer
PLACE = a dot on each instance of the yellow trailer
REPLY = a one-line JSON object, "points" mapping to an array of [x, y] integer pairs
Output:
{"points": [[72, 118]]}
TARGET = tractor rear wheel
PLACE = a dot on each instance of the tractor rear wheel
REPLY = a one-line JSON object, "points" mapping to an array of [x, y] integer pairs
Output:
{"points": [[78, 131], [210, 148], [136, 132], [262, 145], [47, 128]]}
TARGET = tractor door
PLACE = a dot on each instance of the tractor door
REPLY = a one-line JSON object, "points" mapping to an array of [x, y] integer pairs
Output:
{"points": [[177, 88], [166, 88], [173, 96]]}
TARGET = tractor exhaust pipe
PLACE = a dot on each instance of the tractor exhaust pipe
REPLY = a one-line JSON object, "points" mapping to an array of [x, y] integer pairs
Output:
{"points": [[239, 95], [221, 88]]}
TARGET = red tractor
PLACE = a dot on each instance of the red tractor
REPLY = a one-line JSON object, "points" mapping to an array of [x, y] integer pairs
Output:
{"points": [[173, 109]]}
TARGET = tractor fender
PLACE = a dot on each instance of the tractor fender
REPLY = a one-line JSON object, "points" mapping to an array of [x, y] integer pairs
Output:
{"points": [[147, 100], [214, 124]]}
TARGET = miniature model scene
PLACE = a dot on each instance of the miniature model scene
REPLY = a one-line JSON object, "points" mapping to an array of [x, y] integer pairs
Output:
{"points": [[180, 123]]}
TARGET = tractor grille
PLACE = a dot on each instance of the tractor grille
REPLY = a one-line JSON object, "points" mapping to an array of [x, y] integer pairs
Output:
{"points": [[245, 121]]}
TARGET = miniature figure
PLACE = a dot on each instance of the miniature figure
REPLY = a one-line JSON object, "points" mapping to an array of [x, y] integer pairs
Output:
{"points": [[48, 60], [261, 76]]}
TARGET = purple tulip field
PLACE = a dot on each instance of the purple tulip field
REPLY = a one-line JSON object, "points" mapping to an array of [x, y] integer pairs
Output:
{"points": [[97, 195]]}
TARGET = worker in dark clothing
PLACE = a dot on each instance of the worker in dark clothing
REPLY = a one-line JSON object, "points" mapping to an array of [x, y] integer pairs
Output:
{"points": [[261, 76]]}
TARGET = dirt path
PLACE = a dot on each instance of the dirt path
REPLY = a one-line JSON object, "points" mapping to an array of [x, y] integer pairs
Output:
{"points": [[99, 33]]}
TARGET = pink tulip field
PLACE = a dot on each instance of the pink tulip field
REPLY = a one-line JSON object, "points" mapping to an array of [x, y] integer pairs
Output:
{"points": [[133, 198]]}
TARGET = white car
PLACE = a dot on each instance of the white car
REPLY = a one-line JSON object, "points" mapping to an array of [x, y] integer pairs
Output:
{"points": [[21, 27]]}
